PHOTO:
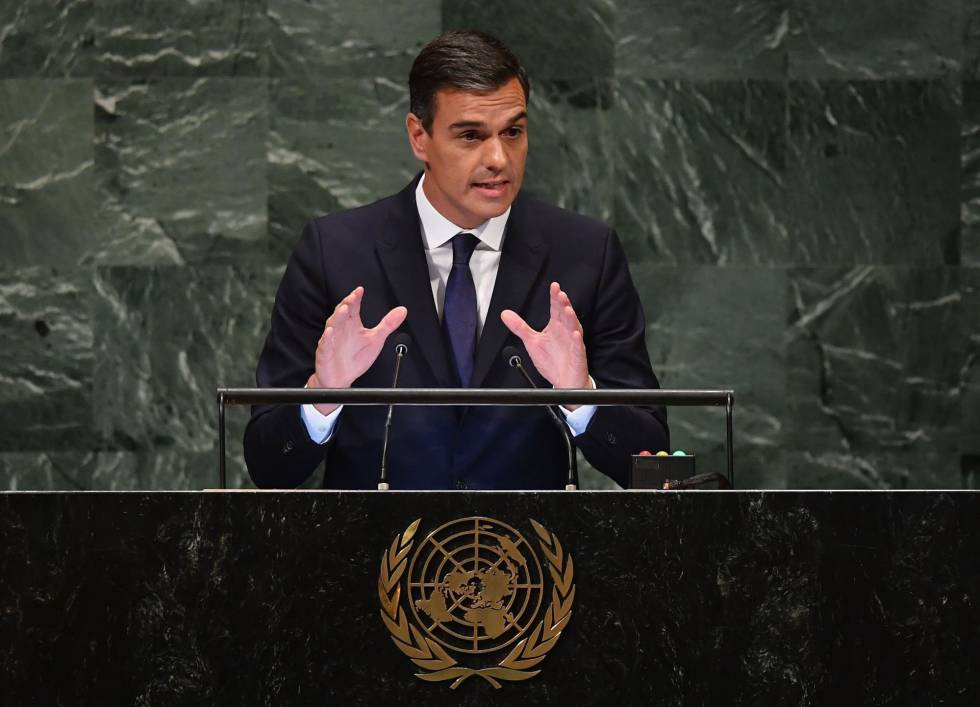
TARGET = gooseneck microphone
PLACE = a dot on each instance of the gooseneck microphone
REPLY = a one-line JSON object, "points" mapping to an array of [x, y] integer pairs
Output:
{"points": [[401, 341], [513, 358]]}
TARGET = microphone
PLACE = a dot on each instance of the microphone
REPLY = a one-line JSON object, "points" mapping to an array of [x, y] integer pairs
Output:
{"points": [[513, 358], [402, 340]]}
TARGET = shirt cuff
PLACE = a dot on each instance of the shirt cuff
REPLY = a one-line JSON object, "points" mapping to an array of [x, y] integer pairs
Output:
{"points": [[578, 419], [320, 427]]}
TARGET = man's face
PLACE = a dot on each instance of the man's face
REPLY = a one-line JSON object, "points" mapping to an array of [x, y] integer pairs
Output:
{"points": [[475, 152]]}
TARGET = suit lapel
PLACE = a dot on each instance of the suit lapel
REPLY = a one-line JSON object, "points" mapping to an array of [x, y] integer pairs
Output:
{"points": [[521, 259], [402, 258]]}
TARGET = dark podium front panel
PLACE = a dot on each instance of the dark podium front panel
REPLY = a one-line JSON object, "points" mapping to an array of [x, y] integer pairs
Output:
{"points": [[605, 598]]}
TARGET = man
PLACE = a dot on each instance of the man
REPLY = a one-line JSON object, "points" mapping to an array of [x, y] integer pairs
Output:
{"points": [[466, 265]]}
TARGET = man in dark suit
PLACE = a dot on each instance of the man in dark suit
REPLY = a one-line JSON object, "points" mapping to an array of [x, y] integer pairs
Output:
{"points": [[466, 265]]}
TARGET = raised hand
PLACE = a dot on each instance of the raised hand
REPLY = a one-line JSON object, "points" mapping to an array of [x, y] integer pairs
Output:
{"points": [[558, 350], [347, 348]]}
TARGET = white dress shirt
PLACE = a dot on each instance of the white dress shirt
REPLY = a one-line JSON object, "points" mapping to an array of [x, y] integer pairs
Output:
{"points": [[437, 235]]}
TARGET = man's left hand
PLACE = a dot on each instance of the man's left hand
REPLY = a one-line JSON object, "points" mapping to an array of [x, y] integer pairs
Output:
{"points": [[558, 350]]}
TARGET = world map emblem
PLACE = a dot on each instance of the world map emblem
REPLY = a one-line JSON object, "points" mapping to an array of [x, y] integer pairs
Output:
{"points": [[473, 598]]}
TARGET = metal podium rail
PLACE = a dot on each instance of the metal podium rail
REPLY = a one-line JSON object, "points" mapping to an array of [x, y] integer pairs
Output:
{"points": [[474, 396]]}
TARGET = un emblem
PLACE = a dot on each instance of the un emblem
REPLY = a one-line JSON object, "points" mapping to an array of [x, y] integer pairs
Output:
{"points": [[474, 587]]}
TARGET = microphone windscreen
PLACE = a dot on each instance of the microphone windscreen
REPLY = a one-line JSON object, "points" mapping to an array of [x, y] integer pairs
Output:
{"points": [[402, 338], [509, 353]]}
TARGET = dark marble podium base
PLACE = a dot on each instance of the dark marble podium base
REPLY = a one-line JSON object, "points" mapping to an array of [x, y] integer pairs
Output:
{"points": [[682, 598]]}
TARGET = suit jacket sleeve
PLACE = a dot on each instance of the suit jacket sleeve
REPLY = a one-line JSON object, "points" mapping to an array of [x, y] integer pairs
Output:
{"points": [[617, 353], [278, 450]]}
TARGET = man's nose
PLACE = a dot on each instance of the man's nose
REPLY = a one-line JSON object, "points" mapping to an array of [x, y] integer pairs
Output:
{"points": [[494, 155]]}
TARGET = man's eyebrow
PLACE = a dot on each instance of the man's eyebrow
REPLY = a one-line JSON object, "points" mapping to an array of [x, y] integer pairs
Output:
{"points": [[470, 124], [467, 124]]}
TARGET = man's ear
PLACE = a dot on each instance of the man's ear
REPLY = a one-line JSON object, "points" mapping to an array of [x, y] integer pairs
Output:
{"points": [[417, 137]]}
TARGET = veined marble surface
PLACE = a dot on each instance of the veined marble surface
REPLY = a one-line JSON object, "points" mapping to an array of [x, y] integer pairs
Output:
{"points": [[877, 358], [157, 143], [875, 39], [873, 172], [47, 163], [663, 39], [181, 38], [51, 39], [680, 598]]}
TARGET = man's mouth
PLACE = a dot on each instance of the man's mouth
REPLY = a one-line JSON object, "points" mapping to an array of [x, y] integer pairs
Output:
{"points": [[495, 187]]}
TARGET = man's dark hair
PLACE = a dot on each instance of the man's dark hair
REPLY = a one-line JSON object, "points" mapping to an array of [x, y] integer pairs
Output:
{"points": [[466, 60]]}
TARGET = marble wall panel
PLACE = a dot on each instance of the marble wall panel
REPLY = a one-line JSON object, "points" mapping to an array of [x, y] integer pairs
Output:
{"points": [[874, 39], [971, 41], [554, 39], [46, 165], [160, 469], [970, 331], [311, 41], [110, 471], [873, 173], [568, 133], [180, 165], [166, 339], [878, 469], [875, 358], [181, 38], [700, 171], [46, 368], [721, 328], [970, 176], [664, 39], [591, 479], [333, 144], [53, 38], [970, 471]]}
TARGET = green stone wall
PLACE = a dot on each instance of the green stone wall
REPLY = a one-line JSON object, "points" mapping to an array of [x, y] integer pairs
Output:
{"points": [[797, 185]]}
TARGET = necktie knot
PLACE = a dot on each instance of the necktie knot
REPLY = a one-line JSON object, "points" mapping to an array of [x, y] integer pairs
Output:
{"points": [[463, 246]]}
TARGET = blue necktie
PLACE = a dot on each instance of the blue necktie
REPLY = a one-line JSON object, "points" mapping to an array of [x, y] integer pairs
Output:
{"points": [[459, 311]]}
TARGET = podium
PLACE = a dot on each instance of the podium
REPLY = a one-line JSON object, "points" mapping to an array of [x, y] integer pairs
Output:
{"points": [[667, 598]]}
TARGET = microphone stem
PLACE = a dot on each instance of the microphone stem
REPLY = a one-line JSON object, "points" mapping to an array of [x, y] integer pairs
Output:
{"points": [[383, 479], [572, 482]]}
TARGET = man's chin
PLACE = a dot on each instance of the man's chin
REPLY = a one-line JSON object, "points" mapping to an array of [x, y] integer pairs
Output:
{"points": [[485, 212]]}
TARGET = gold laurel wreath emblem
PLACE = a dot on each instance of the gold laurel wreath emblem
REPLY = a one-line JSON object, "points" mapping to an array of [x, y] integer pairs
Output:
{"points": [[433, 658]]}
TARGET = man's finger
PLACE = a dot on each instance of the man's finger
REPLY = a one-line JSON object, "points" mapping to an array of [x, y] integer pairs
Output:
{"points": [[356, 292], [339, 316], [354, 300], [569, 319], [391, 321], [518, 327], [554, 301]]}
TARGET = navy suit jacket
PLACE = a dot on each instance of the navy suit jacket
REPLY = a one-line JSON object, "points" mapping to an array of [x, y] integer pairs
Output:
{"points": [[380, 246]]}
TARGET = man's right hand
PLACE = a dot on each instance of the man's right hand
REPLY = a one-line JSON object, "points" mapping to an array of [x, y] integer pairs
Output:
{"points": [[346, 348]]}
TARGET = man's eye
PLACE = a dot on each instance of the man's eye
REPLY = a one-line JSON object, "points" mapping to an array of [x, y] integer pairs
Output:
{"points": [[514, 132], [469, 136]]}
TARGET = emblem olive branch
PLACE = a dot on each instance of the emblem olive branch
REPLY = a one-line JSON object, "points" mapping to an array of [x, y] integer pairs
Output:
{"points": [[430, 656]]}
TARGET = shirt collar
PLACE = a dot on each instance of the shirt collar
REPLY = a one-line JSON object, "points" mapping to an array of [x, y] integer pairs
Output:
{"points": [[437, 230]]}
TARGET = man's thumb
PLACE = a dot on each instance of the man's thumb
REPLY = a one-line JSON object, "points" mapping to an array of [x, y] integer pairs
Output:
{"points": [[392, 320], [518, 327]]}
